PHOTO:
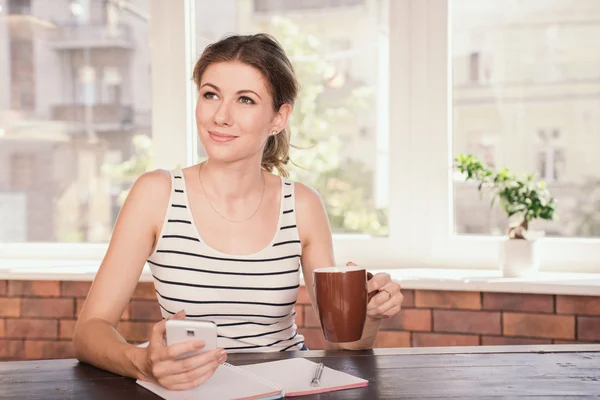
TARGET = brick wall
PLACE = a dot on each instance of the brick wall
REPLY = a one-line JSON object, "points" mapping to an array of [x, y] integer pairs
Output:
{"points": [[37, 319]]}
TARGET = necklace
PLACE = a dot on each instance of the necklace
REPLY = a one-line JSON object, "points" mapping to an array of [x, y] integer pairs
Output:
{"points": [[221, 215]]}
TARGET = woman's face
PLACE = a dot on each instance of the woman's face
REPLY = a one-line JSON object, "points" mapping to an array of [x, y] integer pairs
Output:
{"points": [[234, 113]]}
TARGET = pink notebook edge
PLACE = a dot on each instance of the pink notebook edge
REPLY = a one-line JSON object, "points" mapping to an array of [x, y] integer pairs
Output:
{"points": [[262, 396], [331, 389]]}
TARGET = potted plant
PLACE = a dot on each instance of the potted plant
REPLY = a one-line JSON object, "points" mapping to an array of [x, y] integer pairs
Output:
{"points": [[523, 199]]}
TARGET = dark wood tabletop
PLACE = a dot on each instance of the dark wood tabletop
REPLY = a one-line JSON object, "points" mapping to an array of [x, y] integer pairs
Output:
{"points": [[452, 372]]}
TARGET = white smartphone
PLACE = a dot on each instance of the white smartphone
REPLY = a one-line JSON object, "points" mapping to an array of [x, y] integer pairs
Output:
{"points": [[185, 330]]}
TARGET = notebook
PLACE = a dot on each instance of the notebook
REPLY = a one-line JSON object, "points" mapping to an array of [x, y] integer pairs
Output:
{"points": [[294, 375], [228, 382], [270, 380]]}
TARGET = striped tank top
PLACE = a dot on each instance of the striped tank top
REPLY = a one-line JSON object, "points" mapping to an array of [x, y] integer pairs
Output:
{"points": [[251, 298]]}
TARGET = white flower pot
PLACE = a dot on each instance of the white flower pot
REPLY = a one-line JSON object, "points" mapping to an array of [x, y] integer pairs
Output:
{"points": [[518, 257]]}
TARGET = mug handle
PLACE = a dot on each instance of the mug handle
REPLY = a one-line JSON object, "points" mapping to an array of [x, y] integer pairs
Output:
{"points": [[370, 295]]}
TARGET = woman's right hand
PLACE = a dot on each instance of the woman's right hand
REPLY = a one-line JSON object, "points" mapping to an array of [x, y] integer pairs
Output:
{"points": [[162, 366]]}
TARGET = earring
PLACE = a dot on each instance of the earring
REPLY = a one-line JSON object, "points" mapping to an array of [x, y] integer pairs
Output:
{"points": [[273, 133]]}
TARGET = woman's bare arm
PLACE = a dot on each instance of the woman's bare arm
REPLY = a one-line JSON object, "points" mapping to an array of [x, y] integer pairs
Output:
{"points": [[96, 340]]}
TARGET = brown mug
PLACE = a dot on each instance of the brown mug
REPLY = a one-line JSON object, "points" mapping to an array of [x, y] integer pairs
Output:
{"points": [[342, 297]]}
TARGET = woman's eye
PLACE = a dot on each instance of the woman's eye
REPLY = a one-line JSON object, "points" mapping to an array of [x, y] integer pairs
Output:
{"points": [[210, 96], [246, 100]]}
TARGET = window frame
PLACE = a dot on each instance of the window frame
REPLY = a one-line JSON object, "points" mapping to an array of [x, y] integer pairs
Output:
{"points": [[420, 147], [431, 66]]}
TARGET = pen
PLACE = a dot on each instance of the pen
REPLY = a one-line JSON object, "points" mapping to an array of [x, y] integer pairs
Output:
{"points": [[316, 381]]}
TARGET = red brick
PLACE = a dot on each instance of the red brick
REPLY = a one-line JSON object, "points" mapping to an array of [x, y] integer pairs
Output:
{"points": [[588, 328], [511, 341], [392, 339], [79, 306], [12, 350], [409, 319], [3, 285], [447, 299], [75, 288], [34, 288], [311, 320], [47, 308], [466, 321], [518, 302], [442, 339], [579, 305], [66, 328], [143, 310], [31, 328], [539, 325], [299, 316], [313, 338], [303, 297], [409, 298], [46, 349], [144, 291], [10, 307], [2, 328], [139, 331]]}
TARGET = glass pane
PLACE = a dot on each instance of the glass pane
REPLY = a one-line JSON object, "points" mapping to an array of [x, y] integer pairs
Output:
{"points": [[526, 96], [74, 116], [340, 121]]}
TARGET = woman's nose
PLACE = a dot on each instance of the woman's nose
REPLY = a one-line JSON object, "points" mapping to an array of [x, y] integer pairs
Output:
{"points": [[223, 115]]}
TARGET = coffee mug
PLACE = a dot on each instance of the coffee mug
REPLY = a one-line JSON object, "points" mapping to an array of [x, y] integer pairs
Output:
{"points": [[341, 296]]}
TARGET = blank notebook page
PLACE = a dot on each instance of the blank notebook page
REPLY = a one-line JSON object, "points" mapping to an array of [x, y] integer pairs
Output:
{"points": [[295, 375], [228, 382]]}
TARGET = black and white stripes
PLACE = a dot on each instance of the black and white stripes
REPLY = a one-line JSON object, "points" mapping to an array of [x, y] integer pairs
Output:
{"points": [[250, 298]]}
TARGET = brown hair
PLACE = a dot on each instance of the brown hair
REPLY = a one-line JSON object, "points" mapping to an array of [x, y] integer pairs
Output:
{"points": [[264, 53]]}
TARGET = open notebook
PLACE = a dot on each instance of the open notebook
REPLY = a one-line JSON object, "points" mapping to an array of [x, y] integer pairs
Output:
{"points": [[270, 380]]}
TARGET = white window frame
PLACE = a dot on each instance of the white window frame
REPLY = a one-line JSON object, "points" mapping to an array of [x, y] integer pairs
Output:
{"points": [[171, 34], [420, 181], [436, 244]]}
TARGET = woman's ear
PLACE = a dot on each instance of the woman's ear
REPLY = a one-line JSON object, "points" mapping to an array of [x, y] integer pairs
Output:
{"points": [[281, 117]]}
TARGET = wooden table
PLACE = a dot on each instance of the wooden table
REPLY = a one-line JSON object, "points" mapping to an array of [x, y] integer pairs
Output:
{"points": [[452, 372]]}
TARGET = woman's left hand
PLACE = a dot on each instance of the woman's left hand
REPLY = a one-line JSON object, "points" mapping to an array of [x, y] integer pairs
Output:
{"points": [[388, 301]]}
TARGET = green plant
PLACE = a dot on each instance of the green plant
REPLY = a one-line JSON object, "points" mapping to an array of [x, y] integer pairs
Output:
{"points": [[521, 197]]}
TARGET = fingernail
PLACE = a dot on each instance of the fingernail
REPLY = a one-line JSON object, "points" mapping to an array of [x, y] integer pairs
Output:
{"points": [[199, 344]]}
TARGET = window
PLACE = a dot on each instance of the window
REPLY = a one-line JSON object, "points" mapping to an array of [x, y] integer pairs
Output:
{"points": [[551, 156], [23, 171], [64, 106], [19, 7], [298, 5], [529, 92], [86, 85], [474, 67], [344, 70], [453, 226], [514, 84]]}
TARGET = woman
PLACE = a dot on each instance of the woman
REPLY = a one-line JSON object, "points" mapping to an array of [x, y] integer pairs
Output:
{"points": [[224, 239]]}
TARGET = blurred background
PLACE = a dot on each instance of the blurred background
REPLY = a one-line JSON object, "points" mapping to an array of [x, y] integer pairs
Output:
{"points": [[76, 131]]}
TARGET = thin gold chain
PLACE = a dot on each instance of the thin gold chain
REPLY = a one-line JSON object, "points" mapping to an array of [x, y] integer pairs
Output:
{"points": [[221, 215]]}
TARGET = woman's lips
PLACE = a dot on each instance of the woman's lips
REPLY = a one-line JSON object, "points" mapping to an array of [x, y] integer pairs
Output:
{"points": [[221, 137]]}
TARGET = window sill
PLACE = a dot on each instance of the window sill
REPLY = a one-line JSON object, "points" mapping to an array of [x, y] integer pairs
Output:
{"points": [[409, 278]]}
